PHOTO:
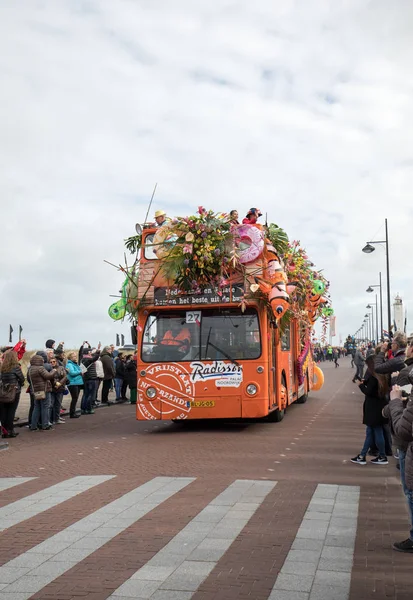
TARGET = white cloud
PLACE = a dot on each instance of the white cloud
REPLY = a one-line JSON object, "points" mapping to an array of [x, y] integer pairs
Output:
{"points": [[303, 109]]}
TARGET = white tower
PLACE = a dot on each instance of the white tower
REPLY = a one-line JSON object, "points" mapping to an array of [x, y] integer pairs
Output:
{"points": [[398, 313]]}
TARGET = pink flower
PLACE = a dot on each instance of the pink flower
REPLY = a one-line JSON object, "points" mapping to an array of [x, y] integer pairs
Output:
{"points": [[201, 210], [188, 249]]}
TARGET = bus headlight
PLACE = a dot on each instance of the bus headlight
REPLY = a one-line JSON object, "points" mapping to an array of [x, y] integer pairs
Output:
{"points": [[251, 389], [151, 392]]}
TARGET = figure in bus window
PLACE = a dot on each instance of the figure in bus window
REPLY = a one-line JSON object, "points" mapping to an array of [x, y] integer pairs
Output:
{"points": [[177, 337]]}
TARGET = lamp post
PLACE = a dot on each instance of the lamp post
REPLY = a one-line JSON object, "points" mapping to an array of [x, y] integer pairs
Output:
{"points": [[371, 306], [367, 317], [368, 249], [370, 289]]}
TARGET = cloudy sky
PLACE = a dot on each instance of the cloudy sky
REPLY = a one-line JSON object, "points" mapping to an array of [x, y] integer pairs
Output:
{"points": [[303, 109]]}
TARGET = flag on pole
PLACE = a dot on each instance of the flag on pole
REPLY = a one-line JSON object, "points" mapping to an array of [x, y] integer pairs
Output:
{"points": [[20, 333], [11, 335], [122, 339], [117, 340]]}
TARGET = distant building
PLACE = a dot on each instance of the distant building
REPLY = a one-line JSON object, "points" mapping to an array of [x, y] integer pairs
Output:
{"points": [[398, 314]]}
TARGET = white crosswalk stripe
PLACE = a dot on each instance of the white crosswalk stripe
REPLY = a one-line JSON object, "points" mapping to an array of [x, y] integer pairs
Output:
{"points": [[318, 565], [182, 565], [36, 503], [320, 561], [8, 482], [33, 570]]}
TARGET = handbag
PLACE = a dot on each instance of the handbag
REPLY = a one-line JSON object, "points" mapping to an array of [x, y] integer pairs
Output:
{"points": [[39, 395], [7, 392]]}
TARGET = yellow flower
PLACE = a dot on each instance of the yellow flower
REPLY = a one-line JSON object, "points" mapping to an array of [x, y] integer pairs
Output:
{"points": [[189, 237]]}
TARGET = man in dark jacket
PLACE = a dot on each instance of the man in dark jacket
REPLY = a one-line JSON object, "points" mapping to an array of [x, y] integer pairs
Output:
{"points": [[396, 363], [119, 375], [402, 422], [359, 362], [90, 378], [108, 373]]}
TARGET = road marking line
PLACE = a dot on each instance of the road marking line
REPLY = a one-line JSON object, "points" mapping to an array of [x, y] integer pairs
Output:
{"points": [[187, 560], [33, 570], [8, 482], [26, 508], [320, 561]]}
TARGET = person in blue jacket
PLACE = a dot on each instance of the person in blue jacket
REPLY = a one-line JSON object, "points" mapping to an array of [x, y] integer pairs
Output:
{"points": [[75, 384]]}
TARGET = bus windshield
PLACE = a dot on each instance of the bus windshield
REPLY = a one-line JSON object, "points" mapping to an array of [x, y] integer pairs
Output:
{"points": [[206, 334]]}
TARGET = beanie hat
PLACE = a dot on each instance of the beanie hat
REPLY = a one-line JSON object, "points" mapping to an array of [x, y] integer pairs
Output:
{"points": [[49, 344]]}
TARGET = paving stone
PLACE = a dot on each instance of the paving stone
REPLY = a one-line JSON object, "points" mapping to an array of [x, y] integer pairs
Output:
{"points": [[298, 568], [332, 578], [27, 583], [297, 583], [136, 588], [326, 592], [288, 595], [317, 516], [343, 564], [153, 573], [307, 556], [344, 541], [331, 552], [303, 544], [170, 595], [28, 561], [188, 576], [9, 575]]}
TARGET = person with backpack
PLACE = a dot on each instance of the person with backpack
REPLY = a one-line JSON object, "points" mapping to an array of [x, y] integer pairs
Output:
{"points": [[58, 386], [11, 383], [75, 384]]}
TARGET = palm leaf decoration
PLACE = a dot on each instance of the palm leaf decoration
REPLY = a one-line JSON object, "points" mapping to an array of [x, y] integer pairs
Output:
{"points": [[133, 243], [278, 238]]}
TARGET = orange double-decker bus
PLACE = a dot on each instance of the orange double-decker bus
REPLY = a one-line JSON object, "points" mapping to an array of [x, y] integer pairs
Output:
{"points": [[205, 355]]}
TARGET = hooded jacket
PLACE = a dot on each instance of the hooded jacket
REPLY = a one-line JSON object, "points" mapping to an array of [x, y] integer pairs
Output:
{"points": [[39, 378]]}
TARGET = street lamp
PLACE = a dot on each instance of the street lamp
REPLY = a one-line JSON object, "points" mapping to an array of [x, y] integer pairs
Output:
{"points": [[371, 306], [370, 290], [367, 316], [368, 249]]}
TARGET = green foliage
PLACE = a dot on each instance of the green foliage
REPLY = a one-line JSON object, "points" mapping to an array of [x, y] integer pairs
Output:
{"points": [[133, 243], [278, 238]]}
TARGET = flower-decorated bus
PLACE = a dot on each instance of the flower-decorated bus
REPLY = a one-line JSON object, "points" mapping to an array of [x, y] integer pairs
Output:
{"points": [[224, 316]]}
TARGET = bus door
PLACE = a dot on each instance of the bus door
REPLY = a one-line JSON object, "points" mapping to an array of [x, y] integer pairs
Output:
{"points": [[272, 363]]}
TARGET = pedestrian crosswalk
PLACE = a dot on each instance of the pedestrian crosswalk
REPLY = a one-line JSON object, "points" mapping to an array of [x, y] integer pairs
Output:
{"points": [[319, 561]]}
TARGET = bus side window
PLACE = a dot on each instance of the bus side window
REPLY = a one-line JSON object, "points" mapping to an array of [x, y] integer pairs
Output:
{"points": [[285, 339]]}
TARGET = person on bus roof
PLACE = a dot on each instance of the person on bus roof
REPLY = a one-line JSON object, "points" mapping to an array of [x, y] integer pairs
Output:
{"points": [[252, 216], [233, 217], [160, 218], [177, 336]]}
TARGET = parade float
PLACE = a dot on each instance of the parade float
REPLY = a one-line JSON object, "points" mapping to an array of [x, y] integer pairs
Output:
{"points": [[204, 260]]}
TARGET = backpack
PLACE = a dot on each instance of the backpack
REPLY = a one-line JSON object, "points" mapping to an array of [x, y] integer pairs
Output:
{"points": [[99, 369], [7, 392]]}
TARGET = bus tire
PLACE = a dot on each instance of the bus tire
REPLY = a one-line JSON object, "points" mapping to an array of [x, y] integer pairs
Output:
{"points": [[276, 416], [303, 399]]}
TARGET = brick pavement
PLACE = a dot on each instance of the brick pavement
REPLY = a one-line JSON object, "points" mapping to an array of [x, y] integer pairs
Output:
{"points": [[311, 446]]}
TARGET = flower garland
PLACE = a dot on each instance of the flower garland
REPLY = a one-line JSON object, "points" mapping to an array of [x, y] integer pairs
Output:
{"points": [[201, 253]]}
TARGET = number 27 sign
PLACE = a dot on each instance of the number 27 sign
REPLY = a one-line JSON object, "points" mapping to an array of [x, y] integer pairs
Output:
{"points": [[193, 316]]}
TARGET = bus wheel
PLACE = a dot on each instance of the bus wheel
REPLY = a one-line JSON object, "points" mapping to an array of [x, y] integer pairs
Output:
{"points": [[276, 416], [303, 399]]}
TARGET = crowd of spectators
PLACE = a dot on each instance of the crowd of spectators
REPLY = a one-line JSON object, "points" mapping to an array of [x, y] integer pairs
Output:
{"points": [[54, 374], [388, 411]]}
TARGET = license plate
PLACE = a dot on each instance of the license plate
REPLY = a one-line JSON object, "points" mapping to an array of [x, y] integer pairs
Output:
{"points": [[202, 403]]}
